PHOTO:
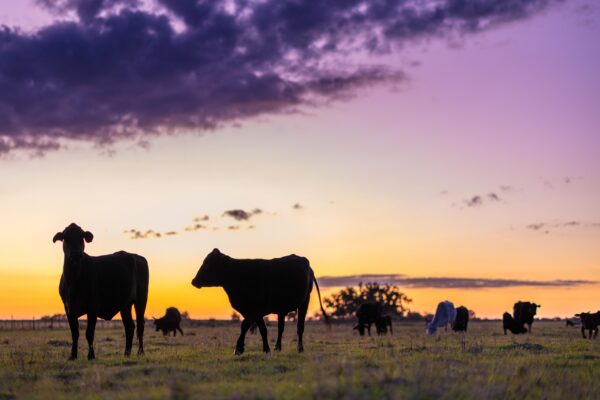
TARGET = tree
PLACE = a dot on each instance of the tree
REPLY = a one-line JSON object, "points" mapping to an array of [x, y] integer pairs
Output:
{"points": [[345, 303]]}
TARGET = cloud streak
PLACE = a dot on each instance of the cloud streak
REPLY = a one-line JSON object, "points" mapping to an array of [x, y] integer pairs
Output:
{"points": [[114, 70], [444, 282]]}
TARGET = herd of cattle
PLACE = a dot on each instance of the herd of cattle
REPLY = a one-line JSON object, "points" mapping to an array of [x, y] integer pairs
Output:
{"points": [[102, 286]]}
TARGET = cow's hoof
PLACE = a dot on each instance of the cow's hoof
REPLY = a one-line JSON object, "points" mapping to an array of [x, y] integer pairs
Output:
{"points": [[300, 349], [277, 348], [238, 352], [91, 356], [72, 358], [140, 352], [127, 353], [267, 351]]}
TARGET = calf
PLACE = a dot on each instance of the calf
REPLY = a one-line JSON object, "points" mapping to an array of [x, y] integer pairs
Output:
{"points": [[445, 315], [462, 319], [509, 323], [589, 322], [170, 322]]}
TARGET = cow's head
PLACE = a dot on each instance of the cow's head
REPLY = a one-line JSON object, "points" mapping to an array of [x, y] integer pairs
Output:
{"points": [[211, 271], [73, 238], [158, 324], [533, 308]]}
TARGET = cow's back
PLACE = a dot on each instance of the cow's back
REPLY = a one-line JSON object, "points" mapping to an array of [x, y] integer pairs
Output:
{"points": [[278, 286]]}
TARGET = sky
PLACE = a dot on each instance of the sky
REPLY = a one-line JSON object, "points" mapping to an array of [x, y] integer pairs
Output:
{"points": [[449, 147]]}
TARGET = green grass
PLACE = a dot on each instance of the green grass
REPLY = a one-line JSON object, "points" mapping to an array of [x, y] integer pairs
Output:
{"points": [[552, 363]]}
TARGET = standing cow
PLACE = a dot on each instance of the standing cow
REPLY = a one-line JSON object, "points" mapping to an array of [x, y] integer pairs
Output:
{"points": [[258, 287], [368, 314], [101, 287], [524, 312], [462, 319], [510, 324], [171, 322], [445, 315], [589, 322]]}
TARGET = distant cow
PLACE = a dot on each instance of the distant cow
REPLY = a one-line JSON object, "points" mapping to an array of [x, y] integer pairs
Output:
{"points": [[368, 314], [170, 322], [509, 323], [101, 287], [462, 319], [573, 322], [260, 287], [589, 322], [523, 313], [383, 324], [445, 315]]}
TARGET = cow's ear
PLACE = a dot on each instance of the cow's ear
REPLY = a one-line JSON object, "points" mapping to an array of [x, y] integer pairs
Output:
{"points": [[216, 251], [58, 236], [88, 236]]}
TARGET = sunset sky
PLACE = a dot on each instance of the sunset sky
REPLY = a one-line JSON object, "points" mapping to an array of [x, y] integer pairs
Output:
{"points": [[453, 146]]}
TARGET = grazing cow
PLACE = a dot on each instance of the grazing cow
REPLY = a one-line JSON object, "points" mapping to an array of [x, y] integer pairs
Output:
{"points": [[170, 322], [368, 314], [101, 287], [509, 323], [523, 313], [589, 322], [445, 315], [382, 325], [573, 322], [462, 319], [260, 287]]}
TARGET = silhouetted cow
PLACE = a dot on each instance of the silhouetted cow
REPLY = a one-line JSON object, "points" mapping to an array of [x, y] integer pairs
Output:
{"points": [[383, 324], [573, 322], [462, 319], [589, 322], [509, 323], [368, 314], [170, 322], [260, 287], [445, 315], [101, 287], [523, 313]]}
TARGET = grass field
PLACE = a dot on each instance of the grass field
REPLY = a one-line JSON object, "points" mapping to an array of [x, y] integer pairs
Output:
{"points": [[553, 362]]}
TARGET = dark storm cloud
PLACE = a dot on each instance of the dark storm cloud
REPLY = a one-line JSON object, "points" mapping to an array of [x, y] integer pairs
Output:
{"points": [[116, 71], [444, 283]]}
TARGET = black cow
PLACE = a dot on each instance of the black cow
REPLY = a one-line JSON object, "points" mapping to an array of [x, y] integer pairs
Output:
{"points": [[383, 324], [260, 287], [170, 322], [589, 322], [368, 314], [101, 287], [523, 313], [509, 323], [462, 319]]}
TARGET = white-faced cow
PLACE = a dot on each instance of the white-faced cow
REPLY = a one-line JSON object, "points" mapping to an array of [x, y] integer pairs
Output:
{"points": [[101, 287], [260, 287], [445, 315]]}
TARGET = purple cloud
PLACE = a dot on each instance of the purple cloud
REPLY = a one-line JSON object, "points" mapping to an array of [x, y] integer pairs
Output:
{"points": [[114, 70]]}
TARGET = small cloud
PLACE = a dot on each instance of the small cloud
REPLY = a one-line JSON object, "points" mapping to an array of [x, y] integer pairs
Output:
{"points": [[536, 227], [251, 227], [136, 234], [546, 226], [506, 188], [493, 197], [297, 206], [170, 233], [474, 201], [195, 227], [233, 227], [241, 215], [204, 218]]}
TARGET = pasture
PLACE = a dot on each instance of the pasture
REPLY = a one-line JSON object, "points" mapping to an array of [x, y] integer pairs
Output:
{"points": [[552, 363]]}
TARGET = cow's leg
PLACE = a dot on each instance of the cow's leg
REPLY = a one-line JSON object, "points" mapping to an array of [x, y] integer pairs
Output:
{"points": [[174, 332], [300, 326], [529, 330], [89, 335], [391, 330], [179, 329], [129, 328], [140, 309], [239, 347], [263, 334], [74, 326], [369, 328], [595, 332], [280, 327], [583, 332]]}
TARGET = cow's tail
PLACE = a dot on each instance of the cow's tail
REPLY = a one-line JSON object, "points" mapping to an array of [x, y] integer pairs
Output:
{"points": [[325, 316]]}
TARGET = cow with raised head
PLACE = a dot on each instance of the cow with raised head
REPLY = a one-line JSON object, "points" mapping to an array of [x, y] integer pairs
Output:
{"points": [[171, 322], [524, 312], [445, 315], [101, 287], [462, 319], [589, 322], [509, 324], [257, 287]]}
